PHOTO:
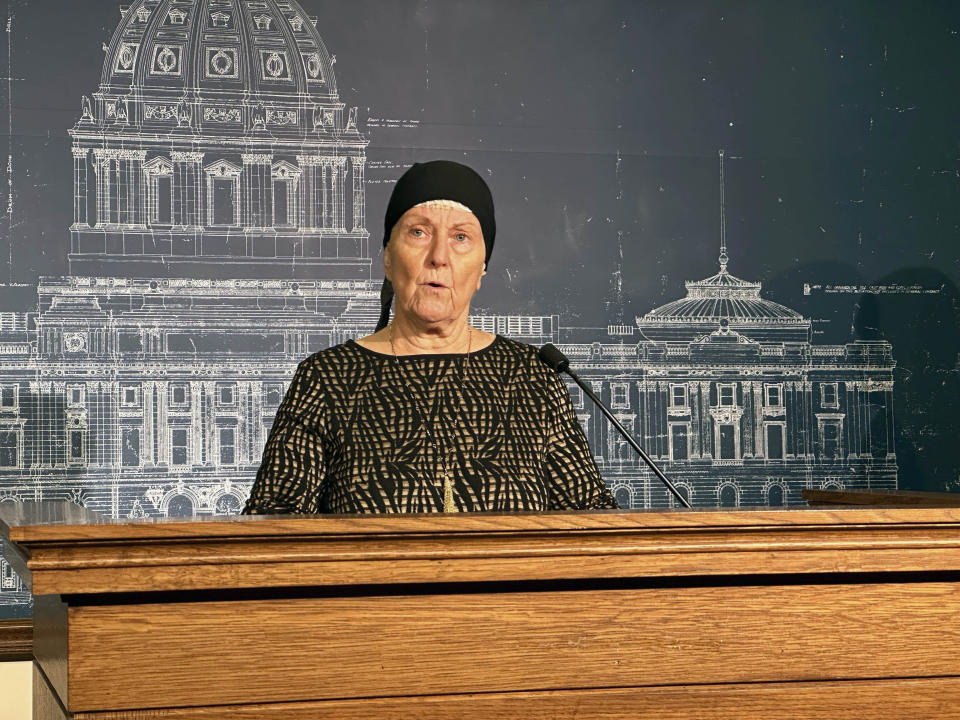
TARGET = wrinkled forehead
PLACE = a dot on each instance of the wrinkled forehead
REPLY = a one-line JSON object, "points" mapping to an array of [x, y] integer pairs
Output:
{"points": [[443, 205]]}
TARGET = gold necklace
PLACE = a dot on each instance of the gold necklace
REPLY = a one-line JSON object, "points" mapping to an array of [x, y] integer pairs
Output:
{"points": [[448, 504]]}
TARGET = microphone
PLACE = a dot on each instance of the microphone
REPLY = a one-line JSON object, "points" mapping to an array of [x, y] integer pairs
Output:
{"points": [[553, 358]]}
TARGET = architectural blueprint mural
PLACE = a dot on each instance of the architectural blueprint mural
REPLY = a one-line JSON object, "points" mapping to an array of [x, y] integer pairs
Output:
{"points": [[740, 256]]}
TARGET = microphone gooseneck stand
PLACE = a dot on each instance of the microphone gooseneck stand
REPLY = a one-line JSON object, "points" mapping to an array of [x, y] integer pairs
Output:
{"points": [[552, 357]]}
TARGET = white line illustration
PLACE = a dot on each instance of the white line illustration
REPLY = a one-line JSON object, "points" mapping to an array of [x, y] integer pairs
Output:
{"points": [[219, 237]]}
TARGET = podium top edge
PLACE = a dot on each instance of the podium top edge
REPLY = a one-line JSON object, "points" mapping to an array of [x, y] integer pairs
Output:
{"points": [[66, 522]]}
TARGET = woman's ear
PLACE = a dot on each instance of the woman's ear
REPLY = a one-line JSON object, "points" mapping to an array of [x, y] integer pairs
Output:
{"points": [[386, 262]]}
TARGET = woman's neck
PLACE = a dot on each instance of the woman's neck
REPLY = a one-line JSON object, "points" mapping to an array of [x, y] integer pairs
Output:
{"points": [[452, 339], [407, 338]]}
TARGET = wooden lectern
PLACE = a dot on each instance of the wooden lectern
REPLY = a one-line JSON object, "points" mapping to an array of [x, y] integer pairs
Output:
{"points": [[773, 614]]}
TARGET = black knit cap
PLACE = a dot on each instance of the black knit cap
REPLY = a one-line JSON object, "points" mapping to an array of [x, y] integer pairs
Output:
{"points": [[437, 180]]}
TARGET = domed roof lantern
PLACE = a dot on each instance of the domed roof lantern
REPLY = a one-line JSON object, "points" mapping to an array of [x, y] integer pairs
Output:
{"points": [[723, 302]]}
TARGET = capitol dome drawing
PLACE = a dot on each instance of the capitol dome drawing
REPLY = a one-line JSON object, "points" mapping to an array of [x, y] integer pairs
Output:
{"points": [[266, 50], [217, 146]]}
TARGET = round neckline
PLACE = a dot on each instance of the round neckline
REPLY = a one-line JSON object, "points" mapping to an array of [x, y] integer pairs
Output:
{"points": [[496, 341]]}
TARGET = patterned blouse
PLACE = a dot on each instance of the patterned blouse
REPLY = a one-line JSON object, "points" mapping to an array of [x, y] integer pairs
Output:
{"points": [[356, 433]]}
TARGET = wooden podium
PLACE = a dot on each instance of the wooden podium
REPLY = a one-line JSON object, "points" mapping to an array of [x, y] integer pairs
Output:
{"points": [[774, 614]]}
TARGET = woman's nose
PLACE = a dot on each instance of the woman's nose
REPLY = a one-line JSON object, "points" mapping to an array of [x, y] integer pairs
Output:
{"points": [[439, 254]]}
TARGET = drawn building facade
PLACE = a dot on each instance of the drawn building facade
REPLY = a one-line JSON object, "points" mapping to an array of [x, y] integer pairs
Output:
{"points": [[728, 393], [219, 238]]}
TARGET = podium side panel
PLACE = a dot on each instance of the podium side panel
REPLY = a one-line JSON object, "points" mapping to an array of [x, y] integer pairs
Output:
{"points": [[50, 642], [853, 700], [303, 649], [45, 704]]}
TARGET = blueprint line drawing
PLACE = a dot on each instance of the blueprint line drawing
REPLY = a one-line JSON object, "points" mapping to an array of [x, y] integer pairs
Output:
{"points": [[219, 236]]}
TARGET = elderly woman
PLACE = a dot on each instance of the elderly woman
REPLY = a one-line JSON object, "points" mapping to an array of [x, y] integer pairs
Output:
{"points": [[428, 414]]}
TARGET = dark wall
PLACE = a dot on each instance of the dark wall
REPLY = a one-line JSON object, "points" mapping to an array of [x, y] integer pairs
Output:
{"points": [[598, 126]]}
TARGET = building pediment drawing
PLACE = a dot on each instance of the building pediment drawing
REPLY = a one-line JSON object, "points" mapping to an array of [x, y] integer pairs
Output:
{"points": [[222, 168]]}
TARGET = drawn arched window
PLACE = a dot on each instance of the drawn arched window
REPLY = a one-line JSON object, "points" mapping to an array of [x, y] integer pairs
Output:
{"points": [[728, 496], [622, 496], [776, 497], [228, 504], [286, 178], [223, 193], [159, 173], [180, 506], [684, 491]]}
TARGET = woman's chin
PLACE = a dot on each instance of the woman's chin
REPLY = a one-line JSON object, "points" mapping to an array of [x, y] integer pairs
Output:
{"points": [[433, 313]]}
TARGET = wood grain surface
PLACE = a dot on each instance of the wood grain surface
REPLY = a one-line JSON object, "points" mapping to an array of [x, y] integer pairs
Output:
{"points": [[311, 551], [789, 613], [852, 700], [16, 640], [355, 647], [52, 521]]}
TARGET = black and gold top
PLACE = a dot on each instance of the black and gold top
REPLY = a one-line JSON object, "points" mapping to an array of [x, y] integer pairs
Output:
{"points": [[350, 436]]}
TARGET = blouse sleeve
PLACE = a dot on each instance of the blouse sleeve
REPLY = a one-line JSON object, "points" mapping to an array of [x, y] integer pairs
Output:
{"points": [[574, 480], [292, 468]]}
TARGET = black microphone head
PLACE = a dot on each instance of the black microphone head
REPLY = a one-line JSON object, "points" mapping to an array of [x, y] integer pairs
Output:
{"points": [[550, 355]]}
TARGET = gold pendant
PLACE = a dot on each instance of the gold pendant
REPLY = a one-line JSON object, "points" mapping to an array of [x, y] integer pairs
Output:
{"points": [[448, 505]]}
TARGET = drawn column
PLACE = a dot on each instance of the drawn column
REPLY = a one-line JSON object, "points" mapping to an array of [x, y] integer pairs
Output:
{"points": [[132, 210], [308, 191], [148, 433], [706, 426], [888, 411], [101, 169], [807, 417], [161, 431], [794, 425], [255, 184], [758, 445], [80, 187], [338, 177], [137, 197], [208, 427], [195, 435], [326, 205], [852, 428], [186, 188], [696, 419], [867, 397], [358, 163]]}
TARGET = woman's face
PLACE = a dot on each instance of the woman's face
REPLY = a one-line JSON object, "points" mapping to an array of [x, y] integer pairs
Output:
{"points": [[435, 261]]}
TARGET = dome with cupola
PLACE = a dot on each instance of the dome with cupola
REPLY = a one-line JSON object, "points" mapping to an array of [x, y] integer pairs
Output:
{"points": [[727, 302]]}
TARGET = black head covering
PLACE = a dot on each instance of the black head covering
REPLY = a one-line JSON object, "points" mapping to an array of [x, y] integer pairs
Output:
{"points": [[437, 180]]}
